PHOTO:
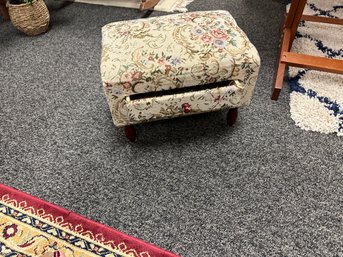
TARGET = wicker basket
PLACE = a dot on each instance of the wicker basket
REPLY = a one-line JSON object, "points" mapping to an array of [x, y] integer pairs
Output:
{"points": [[32, 19]]}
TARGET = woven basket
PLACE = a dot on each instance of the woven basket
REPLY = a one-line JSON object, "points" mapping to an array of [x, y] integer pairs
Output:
{"points": [[32, 19]]}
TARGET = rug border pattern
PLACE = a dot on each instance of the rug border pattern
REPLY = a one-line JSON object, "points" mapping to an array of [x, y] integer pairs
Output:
{"points": [[81, 226], [75, 238]]}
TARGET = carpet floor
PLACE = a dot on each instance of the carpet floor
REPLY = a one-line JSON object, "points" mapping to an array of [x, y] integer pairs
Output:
{"points": [[190, 185]]}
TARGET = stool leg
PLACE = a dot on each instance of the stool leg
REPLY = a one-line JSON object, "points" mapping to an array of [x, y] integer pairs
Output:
{"points": [[130, 133], [232, 116]]}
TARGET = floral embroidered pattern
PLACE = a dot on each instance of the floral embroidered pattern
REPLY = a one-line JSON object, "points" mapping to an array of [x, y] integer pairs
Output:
{"points": [[175, 51], [183, 104]]}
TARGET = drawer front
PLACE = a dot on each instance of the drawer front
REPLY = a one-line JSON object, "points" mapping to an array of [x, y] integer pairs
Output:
{"points": [[186, 103]]}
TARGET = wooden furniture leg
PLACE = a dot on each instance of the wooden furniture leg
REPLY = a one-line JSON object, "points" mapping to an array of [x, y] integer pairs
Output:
{"points": [[289, 30], [130, 133], [296, 20], [232, 116], [281, 67], [4, 10], [287, 58], [148, 4]]}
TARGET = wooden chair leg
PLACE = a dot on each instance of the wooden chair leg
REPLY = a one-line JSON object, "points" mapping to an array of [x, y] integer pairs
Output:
{"points": [[281, 67], [296, 21], [290, 27], [278, 81]]}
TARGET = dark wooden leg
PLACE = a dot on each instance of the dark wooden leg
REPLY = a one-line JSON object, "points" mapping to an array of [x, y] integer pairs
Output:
{"points": [[232, 116], [4, 11], [130, 133]]}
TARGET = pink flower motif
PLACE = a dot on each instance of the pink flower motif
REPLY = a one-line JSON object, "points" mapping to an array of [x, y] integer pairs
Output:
{"points": [[188, 18], [108, 87], [186, 107], [9, 231], [126, 85], [161, 61], [126, 76], [206, 38], [137, 75], [219, 34]]}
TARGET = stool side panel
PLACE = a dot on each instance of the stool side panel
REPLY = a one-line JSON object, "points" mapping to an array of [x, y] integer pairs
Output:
{"points": [[168, 106]]}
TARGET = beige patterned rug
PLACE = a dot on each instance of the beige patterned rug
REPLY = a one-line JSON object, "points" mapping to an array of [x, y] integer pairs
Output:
{"points": [[163, 5]]}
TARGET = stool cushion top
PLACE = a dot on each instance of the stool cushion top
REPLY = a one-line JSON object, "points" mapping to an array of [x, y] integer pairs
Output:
{"points": [[171, 51]]}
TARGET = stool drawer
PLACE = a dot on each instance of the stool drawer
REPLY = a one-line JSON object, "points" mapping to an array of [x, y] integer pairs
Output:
{"points": [[185, 101]]}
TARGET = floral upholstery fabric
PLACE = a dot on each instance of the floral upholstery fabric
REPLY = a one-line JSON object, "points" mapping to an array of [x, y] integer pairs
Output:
{"points": [[176, 51]]}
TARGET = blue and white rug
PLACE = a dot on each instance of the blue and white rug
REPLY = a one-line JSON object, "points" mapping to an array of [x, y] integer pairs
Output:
{"points": [[316, 98]]}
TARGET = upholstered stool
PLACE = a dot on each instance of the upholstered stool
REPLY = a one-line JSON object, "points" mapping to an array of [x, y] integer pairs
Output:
{"points": [[176, 65]]}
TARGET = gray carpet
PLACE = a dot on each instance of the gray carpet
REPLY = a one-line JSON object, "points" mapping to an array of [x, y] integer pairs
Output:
{"points": [[190, 185]]}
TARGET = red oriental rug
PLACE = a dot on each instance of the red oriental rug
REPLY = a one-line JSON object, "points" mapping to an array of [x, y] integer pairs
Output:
{"points": [[32, 227]]}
